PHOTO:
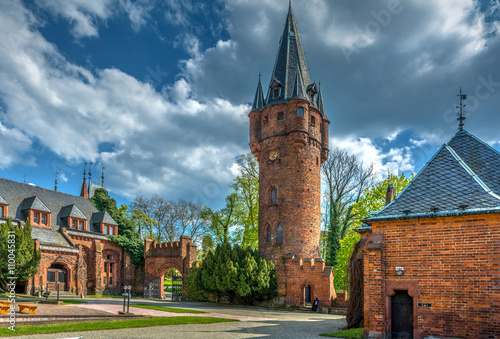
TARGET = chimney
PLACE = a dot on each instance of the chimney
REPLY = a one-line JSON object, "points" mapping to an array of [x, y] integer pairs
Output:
{"points": [[389, 196]]}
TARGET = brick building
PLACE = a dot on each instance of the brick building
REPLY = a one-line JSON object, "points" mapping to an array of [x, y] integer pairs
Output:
{"points": [[432, 256], [70, 232], [289, 137]]}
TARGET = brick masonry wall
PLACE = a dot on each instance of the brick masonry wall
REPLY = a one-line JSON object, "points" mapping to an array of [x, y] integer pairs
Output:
{"points": [[160, 257], [302, 272], [454, 264]]}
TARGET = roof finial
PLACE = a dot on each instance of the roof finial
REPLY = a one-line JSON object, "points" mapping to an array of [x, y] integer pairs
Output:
{"points": [[84, 169], [290, 7], [55, 182], [260, 75], [461, 114], [90, 172], [102, 175]]}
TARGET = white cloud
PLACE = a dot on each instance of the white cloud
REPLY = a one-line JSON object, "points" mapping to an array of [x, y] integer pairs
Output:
{"points": [[395, 161], [164, 143]]}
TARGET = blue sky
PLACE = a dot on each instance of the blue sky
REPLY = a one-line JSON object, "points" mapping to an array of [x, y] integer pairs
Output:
{"points": [[159, 91]]}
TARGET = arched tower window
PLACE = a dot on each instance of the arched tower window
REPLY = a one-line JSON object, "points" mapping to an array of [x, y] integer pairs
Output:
{"points": [[274, 196], [268, 236], [279, 233]]}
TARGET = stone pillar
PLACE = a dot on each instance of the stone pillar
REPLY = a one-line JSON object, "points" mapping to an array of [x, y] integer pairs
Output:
{"points": [[98, 289]]}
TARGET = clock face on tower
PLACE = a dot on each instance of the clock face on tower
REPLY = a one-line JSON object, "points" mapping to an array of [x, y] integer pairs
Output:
{"points": [[273, 155]]}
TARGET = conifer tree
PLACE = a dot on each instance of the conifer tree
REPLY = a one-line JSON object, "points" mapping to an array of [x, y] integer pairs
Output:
{"points": [[25, 257]]}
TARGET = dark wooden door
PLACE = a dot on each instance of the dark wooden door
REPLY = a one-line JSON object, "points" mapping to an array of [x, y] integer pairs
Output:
{"points": [[402, 315], [55, 275], [308, 294]]}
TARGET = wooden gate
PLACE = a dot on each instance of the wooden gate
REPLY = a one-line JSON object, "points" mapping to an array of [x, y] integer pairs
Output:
{"points": [[402, 315]]}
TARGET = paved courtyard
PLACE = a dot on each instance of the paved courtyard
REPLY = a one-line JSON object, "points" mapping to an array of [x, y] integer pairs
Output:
{"points": [[254, 322]]}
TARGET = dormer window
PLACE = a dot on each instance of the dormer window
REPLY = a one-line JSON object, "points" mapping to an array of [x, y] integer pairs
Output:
{"points": [[276, 92], [39, 218], [77, 224], [109, 229], [3, 211]]}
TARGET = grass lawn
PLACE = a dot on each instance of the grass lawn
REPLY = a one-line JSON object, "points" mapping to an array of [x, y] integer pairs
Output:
{"points": [[107, 325], [353, 333], [166, 309], [167, 282], [71, 302], [106, 296]]}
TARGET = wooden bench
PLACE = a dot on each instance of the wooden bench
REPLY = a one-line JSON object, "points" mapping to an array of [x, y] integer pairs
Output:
{"points": [[31, 308], [4, 308]]}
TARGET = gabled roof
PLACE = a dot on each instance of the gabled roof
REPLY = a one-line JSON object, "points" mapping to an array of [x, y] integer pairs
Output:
{"points": [[258, 101], [299, 90], [461, 178], [103, 217], [72, 211], [290, 58], [2, 201], [34, 203]]}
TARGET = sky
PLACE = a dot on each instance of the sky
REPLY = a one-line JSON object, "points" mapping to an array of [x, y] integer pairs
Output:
{"points": [[158, 91]]}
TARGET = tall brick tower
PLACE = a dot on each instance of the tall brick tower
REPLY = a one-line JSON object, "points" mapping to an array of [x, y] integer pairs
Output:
{"points": [[289, 137]]}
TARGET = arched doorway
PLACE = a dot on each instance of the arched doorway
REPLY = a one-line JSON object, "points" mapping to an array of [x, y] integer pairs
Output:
{"points": [[57, 273]]}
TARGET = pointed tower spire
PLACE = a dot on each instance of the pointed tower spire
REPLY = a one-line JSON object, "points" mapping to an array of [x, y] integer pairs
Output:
{"points": [[321, 104], [290, 7], [258, 101], [290, 57], [84, 192]]}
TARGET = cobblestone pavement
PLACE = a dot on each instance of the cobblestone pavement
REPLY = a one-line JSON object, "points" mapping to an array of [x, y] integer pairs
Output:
{"points": [[255, 323]]}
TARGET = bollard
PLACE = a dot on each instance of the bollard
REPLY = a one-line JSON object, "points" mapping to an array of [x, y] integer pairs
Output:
{"points": [[58, 292], [47, 291], [128, 295], [124, 297]]}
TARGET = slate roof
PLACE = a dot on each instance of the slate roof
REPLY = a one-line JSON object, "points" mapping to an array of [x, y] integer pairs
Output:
{"points": [[258, 101], [34, 203], [48, 236], [103, 217], [72, 211], [290, 69], [2, 201], [462, 177], [20, 196]]}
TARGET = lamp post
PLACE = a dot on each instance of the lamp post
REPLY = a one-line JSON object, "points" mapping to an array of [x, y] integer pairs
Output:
{"points": [[126, 297], [58, 291]]}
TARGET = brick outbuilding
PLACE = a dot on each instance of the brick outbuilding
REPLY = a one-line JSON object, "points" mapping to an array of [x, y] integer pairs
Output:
{"points": [[432, 256]]}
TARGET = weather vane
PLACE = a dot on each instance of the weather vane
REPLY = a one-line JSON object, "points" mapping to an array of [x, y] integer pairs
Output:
{"points": [[461, 114], [55, 182]]}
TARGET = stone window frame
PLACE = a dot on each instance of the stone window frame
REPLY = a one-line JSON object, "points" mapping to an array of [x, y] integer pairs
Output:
{"points": [[313, 120], [48, 218], [391, 287], [77, 221], [4, 210], [113, 228]]}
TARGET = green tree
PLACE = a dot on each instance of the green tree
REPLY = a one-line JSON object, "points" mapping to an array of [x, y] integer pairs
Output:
{"points": [[127, 237], [21, 249], [219, 222], [246, 187], [346, 179], [238, 274], [372, 200]]}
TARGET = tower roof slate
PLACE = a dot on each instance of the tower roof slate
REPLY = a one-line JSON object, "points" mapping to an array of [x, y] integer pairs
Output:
{"points": [[321, 105], [258, 101], [290, 63], [72, 211], [2, 201], [34, 203], [463, 177]]}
